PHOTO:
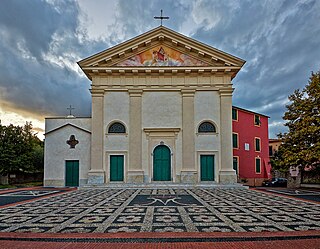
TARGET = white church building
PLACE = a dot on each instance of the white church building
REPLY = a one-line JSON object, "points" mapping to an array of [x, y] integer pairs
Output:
{"points": [[161, 112]]}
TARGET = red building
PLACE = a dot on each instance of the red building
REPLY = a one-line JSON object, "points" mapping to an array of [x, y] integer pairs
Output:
{"points": [[250, 146]]}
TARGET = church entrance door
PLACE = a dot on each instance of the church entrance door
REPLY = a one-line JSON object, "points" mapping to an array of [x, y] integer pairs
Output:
{"points": [[161, 163], [116, 167], [207, 167], [72, 173]]}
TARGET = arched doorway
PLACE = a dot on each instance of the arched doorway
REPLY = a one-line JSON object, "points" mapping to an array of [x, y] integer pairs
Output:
{"points": [[161, 163]]}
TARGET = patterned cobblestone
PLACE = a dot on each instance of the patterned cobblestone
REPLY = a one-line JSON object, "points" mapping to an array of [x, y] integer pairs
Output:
{"points": [[161, 210]]}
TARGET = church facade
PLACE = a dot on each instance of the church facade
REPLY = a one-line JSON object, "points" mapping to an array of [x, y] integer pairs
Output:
{"points": [[161, 112]]}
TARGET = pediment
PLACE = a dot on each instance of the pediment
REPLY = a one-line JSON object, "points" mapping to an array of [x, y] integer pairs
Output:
{"points": [[157, 50], [65, 125], [162, 56]]}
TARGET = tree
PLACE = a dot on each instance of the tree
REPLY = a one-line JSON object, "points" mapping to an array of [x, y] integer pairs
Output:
{"points": [[19, 149], [301, 144], [38, 157]]}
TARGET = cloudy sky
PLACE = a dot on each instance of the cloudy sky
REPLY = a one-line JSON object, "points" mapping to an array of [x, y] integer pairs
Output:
{"points": [[41, 41]]}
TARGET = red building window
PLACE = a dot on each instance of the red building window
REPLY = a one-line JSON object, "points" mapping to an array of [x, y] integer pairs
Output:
{"points": [[234, 114], [257, 144], [235, 141], [257, 121], [270, 151], [258, 165]]}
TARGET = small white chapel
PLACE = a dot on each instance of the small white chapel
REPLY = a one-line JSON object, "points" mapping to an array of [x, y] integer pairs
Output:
{"points": [[161, 113]]}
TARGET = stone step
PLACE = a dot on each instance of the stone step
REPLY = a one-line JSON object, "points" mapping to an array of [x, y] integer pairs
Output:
{"points": [[162, 185]]}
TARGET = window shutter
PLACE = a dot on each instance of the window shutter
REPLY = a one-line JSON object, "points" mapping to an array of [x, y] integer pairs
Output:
{"points": [[235, 140], [258, 165]]}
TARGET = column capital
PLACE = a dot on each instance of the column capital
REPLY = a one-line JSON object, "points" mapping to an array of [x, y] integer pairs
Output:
{"points": [[226, 91], [135, 92], [97, 92], [188, 92]]}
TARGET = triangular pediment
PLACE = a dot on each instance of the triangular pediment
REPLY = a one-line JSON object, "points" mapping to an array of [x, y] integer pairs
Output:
{"points": [[65, 125], [160, 48], [161, 56]]}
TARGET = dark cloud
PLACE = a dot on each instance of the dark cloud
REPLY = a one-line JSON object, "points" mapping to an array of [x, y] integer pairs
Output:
{"points": [[42, 40], [39, 47], [278, 39], [136, 17]]}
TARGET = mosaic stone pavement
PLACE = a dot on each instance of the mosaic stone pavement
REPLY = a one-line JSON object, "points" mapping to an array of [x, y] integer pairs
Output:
{"points": [[161, 210]]}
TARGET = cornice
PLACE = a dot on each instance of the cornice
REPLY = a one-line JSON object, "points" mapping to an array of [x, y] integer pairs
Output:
{"points": [[140, 71], [148, 70], [185, 91], [162, 132]]}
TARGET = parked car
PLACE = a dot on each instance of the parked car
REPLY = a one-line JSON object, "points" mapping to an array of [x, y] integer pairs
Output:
{"points": [[275, 182]]}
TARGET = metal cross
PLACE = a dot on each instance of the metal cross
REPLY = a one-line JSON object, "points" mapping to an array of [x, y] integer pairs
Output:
{"points": [[70, 109], [161, 17]]}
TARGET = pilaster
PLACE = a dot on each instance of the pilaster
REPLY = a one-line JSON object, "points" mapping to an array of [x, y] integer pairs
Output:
{"points": [[226, 173], [96, 174], [135, 172], [188, 172]]}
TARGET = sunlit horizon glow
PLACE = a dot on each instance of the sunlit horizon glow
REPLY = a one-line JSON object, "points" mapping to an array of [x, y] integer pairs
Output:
{"points": [[14, 118]]}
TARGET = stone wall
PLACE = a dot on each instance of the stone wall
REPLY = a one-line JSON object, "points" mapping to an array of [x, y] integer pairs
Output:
{"points": [[294, 182]]}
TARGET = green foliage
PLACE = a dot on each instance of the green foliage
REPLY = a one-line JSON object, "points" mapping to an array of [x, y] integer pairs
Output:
{"points": [[38, 157], [22, 185], [20, 150], [277, 160], [301, 145]]}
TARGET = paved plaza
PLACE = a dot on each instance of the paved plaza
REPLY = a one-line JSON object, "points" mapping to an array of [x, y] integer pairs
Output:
{"points": [[161, 210]]}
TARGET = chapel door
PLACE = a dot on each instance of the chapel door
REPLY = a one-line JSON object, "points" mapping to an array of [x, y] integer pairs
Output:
{"points": [[161, 163], [207, 167], [72, 173], [116, 167]]}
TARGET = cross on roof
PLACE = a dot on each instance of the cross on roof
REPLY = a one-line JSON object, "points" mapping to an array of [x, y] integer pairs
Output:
{"points": [[70, 108], [161, 17]]}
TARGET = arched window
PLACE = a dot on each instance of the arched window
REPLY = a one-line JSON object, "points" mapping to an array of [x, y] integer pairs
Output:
{"points": [[117, 128], [206, 127]]}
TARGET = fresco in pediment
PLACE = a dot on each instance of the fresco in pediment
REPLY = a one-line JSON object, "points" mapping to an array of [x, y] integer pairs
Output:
{"points": [[161, 56]]}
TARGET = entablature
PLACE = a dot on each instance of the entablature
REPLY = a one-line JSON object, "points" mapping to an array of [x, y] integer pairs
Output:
{"points": [[160, 81], [185, 91]]}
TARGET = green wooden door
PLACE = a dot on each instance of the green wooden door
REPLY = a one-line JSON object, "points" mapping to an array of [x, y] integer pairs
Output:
{"points": [[207, 167], [116, 167], [72, 173], [161, 163]]}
